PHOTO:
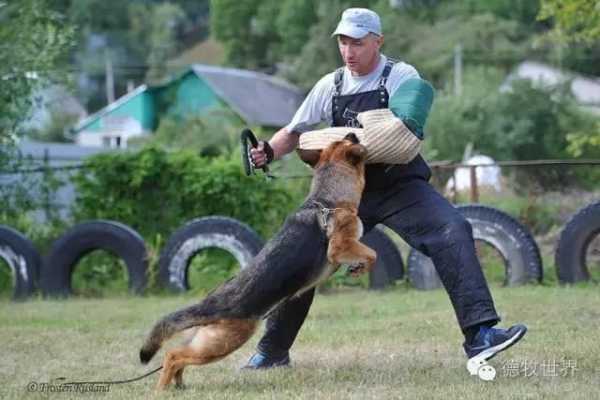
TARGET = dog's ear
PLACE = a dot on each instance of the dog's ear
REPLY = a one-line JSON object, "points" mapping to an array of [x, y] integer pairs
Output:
{"points": [[311, 157], [356, 153], [352, 137]]}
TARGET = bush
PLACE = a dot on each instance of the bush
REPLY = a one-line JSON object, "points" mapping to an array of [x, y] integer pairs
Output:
{"points": [[155, 191], [523, 123]]}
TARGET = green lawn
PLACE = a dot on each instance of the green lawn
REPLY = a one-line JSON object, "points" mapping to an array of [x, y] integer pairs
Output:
{"points": [[356, 344]]}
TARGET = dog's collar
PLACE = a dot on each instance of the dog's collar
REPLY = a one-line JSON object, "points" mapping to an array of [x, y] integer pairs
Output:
{"points": [[325, 213]]}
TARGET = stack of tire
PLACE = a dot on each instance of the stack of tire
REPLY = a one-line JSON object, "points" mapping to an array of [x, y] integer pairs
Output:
{"points": [[511, 239], [54, 275]]}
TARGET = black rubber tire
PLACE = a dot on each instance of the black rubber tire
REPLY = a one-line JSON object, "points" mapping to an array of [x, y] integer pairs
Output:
{"points": [[570, 255], [216, 231], [389, 266], [68, 249], [23, 260], [509, 237]]}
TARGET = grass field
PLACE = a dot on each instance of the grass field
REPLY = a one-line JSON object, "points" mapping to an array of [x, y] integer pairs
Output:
{"points": [[400, 344]]}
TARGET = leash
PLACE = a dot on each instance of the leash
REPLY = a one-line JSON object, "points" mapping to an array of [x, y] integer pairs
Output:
{"points": [[110, 382]]}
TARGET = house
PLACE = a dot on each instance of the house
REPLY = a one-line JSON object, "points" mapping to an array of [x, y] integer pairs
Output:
{"points": [[257, 99], [586, 90]]}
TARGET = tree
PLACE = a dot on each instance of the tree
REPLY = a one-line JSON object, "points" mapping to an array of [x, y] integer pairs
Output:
{"points": [[154, 28], [34, 41], [137, 36], [246, 37], [574, 20]]}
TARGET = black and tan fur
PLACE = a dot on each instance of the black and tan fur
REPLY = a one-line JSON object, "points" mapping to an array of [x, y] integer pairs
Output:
{"points": [[300, 256]]}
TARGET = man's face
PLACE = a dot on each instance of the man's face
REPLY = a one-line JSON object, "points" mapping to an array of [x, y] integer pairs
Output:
{"points": [[360, 55]]}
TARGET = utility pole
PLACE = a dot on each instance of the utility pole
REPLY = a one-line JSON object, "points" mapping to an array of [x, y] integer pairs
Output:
{"points": [[110, 79], [458, 69]]}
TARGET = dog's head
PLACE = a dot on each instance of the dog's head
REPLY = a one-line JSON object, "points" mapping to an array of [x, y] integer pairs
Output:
{"points": [[347, 150]]}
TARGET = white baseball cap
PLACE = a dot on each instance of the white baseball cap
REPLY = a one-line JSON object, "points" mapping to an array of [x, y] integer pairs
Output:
{"points": [[358, 23]]}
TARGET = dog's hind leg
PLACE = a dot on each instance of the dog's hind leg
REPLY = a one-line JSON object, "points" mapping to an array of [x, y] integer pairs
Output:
{"points": [[211, 343]]}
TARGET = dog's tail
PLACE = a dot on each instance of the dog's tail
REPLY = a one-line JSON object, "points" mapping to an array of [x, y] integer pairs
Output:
{"points": [[169, 326]]}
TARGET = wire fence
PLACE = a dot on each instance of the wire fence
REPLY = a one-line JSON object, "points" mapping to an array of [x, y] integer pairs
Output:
{"points": [[448, 177]]}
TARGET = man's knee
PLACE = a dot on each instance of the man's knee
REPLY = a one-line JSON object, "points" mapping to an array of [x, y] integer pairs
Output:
{"points": [[452, 231], [457, 228]]}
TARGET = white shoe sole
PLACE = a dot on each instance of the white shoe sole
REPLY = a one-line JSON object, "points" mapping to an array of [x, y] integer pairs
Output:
{"points": [[476, 362]]}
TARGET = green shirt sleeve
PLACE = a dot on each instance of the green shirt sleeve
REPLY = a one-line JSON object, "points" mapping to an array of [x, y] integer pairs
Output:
{"points": [[411, 103]]}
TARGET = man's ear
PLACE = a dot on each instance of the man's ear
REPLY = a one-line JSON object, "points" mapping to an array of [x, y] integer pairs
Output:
{"points": [[356, 153], [311, 157]]}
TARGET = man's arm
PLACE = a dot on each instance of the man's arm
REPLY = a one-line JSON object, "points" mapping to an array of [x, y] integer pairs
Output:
{"points": [[282, 143], [310, 113]]}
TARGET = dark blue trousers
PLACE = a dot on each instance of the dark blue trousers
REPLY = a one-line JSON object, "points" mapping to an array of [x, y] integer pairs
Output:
{"points": [[427, 222]]}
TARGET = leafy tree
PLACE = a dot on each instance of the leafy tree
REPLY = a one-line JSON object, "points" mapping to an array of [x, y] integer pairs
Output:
{"points": [[33, 42], [137, 36], [575, 20], [293, 34], [232, 23], [153, 26]]}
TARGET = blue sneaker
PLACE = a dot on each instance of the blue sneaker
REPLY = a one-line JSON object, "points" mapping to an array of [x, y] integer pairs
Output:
{"points": [[262, 361], [490, 341]]}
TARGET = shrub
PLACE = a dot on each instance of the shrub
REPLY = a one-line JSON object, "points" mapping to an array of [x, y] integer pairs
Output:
{"points": [[155, 191]]}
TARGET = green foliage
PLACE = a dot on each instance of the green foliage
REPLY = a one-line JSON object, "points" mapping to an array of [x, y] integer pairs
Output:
{"points": [[522, 123], [585, 143], [56, 131], [138, 36], [99, 274], [155, 191], [259, 34], [293, 34], [232, 23], [154, 27], [485, 39], [535, 212], [211, 134], [210, 268], [22, 193], [320, 54], [33, 43], [574, 20]]}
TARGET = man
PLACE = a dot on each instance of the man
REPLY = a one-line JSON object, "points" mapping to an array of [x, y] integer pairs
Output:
{"points": [[398, 196]]}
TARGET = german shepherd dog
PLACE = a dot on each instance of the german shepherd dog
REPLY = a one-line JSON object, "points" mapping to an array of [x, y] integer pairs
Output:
{"points": [[322, 234]]}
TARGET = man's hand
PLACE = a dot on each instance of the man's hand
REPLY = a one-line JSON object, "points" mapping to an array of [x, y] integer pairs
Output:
{"points": [[282, 143], [261, 155]]}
